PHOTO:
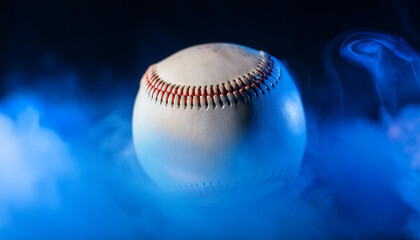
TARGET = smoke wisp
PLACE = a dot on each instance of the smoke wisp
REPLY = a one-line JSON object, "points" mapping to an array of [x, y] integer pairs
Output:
{"points": [[68, 168]]}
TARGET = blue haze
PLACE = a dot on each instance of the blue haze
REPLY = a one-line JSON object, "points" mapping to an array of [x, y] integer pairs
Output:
{"points": [[68, 169]]}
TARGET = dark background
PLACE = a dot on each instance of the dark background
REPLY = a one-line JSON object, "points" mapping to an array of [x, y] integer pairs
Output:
{"points": [[111, 43], [72, 68]]}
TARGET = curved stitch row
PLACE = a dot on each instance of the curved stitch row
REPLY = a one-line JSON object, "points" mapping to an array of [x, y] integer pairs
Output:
{"points": [[214, 187], [242, 89]]}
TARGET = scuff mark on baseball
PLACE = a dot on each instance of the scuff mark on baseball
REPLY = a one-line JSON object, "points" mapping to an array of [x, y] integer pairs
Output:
{"points": [[217, 118]]}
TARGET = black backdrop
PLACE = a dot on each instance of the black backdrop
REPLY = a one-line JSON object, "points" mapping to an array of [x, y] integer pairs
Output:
{"points": [[121, 38], [106, 46]]}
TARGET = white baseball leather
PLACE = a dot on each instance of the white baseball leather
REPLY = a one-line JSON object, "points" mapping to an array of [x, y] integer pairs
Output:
{"points": [[219, 116]]}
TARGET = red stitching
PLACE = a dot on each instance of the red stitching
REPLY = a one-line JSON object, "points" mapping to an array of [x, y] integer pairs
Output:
{"points": [[241, 89]]}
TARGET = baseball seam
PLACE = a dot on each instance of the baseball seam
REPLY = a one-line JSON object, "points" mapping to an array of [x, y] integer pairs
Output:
{"points": [[215, 187], [241, 89]]}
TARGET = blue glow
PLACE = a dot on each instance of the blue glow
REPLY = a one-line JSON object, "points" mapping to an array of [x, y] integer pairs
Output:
{"points": [[67, 173], [393, 65]]}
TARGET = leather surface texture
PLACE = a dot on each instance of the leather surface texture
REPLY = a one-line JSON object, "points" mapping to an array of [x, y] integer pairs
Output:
{"points": [[216, 117]]}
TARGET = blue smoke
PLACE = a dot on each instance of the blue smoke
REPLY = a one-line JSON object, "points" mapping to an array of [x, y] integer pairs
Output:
{"points": [[377, 176], [64, 173], [68, 168], [392, 64]]}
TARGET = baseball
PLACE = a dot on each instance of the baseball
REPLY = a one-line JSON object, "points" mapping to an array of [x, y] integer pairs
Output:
{"points": [[217, 118]]}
